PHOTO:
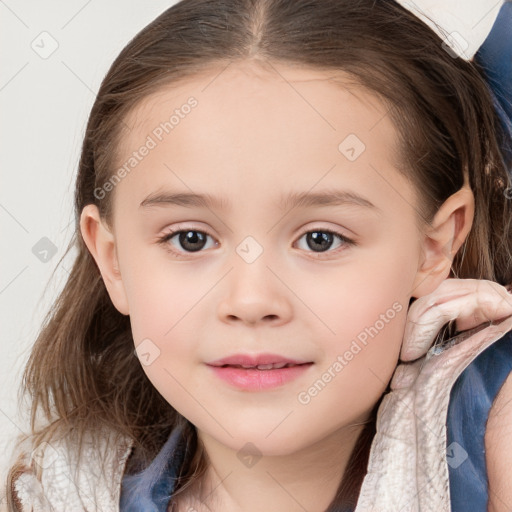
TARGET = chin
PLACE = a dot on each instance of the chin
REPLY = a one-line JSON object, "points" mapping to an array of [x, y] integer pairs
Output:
{"points": [[258, 445]]}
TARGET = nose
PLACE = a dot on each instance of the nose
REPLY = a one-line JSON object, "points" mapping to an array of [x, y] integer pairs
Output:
{"points": [[255, 293]]}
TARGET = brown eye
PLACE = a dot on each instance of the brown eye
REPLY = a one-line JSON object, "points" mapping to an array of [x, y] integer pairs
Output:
{"points": [[187, 240], [192, 240], [321, 240], [183, 241]]}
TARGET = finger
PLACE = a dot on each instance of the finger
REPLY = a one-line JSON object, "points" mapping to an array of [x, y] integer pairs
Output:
{"points": [[491, 302], [470, 311], [449, 289], [470, 302]]}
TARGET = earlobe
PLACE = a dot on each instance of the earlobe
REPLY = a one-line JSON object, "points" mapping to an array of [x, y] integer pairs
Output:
{"points": [[101, 244], [442, 240]]}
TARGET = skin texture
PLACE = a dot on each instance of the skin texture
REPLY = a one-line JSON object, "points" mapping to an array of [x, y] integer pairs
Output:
{"points": [[498, 449], [258, 133]]}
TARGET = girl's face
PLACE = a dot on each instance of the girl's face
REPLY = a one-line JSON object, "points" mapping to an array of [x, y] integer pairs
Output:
{"points": [[255, 270]]}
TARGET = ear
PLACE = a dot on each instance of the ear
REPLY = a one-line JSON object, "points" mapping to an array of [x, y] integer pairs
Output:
{"points": [[101, 243], [442, 239]]}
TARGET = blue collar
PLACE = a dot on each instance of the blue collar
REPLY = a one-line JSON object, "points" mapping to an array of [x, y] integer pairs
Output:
{"points": [[151, 489]]}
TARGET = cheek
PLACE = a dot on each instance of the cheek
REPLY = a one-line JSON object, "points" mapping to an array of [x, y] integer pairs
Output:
{"points": [[372, 289], [168, 349], [363, 313], [164, 307], [357, 367], [164, 324], [159, 293]]}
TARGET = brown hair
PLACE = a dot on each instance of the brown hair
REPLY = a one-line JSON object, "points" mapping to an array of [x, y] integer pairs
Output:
{"points": [[82, 371]]}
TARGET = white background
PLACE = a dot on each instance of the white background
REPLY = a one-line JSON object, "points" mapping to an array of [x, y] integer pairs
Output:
{"points": [[45, 103]]}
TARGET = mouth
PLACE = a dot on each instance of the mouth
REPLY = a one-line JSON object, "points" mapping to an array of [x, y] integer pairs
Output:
{"points": [[260, 361], [259, 377], [271, 366]]}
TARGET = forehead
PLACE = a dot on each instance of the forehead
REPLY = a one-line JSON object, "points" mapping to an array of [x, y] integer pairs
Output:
{"points": [[255, 123], [253, 96]]}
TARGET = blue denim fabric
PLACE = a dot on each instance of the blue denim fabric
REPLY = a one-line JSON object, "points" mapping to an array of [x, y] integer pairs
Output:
{"points": [[470, 402], [151, 489], [495, 57]]}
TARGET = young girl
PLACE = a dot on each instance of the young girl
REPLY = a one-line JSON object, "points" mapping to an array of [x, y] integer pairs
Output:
{"points": [[258, 371]]}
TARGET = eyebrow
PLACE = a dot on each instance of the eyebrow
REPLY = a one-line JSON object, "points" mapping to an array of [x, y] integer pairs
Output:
{"points": [[288, 201]]}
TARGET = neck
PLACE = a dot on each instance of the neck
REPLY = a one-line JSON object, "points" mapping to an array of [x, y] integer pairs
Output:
{"points": [[308, 479]]}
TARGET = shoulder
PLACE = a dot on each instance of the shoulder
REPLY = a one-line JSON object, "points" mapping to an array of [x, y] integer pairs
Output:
{"points": [[50, 478], [411, 436], [20, 479], [498, 447], [472, 20]]}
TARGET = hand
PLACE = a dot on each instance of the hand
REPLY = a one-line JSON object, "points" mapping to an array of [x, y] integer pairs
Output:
{"points": [[470, 302]]}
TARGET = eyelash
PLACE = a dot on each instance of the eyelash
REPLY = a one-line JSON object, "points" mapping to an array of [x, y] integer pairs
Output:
{"points": [[171, 233]]}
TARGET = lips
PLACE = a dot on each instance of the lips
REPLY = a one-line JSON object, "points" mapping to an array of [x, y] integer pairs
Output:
{"points": [[259, 372], [271, 366], [258, 361]]}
